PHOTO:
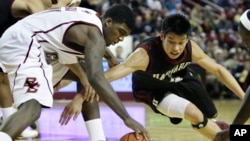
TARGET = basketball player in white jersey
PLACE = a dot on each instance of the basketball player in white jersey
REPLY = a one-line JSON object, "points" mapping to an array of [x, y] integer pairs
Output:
{"points": [[71, 34], [10, 12]]}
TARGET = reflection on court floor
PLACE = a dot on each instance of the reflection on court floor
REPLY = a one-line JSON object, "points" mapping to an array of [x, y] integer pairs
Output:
{"points": [[114, 128], [159, 126]]}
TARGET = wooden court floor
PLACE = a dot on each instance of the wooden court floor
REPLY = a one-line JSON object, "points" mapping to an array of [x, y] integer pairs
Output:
{"points": [[158, 126]]}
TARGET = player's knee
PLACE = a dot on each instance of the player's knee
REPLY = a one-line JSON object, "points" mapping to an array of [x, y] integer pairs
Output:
{"points": [[31, 108], [201, 124]]}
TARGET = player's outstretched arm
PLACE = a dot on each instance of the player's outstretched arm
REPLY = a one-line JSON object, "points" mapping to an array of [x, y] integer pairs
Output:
{"points": [[93, 46]]}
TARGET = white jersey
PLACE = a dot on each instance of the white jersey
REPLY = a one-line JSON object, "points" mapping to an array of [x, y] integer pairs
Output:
{"points": [[50, 34], [31, 42]]}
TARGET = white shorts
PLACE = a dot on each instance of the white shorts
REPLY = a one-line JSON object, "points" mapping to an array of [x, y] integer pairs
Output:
{"points": [[29, 74], [32, 83]]}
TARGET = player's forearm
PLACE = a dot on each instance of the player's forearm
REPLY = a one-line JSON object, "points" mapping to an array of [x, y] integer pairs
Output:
{"points": [[230, 82], [106, 92]]}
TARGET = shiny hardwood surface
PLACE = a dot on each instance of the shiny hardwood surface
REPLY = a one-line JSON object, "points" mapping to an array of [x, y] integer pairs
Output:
{"points": [[158, 126]]}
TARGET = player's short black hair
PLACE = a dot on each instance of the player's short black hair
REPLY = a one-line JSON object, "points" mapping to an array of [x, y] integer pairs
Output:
{"points": [[121, 13], [176, 23]]}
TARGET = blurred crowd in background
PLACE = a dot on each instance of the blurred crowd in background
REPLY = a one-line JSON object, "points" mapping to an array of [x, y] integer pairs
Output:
{"points": [[214, 28]]}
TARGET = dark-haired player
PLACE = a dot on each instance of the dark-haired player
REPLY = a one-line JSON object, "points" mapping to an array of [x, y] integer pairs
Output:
{"points": [[74, 34]]}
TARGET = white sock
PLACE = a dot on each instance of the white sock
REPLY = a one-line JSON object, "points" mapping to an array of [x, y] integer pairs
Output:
{"points": [[95, 130], [8, 112], [5, 137]]}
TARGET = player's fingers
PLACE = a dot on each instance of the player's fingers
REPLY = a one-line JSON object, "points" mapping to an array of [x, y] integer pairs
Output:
{"points": [[75, 116], [67, 115], [92, 98], [137, 132], [67, 118], [146, 135], [97, 97], [86, 93], [63, 115], [66, 121], [89, 94]]}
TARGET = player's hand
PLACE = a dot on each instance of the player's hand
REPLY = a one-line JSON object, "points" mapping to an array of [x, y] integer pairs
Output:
{"points": [[88, 93], [72, 109], [111, 59], [222, 135], [137, 127], [112, 62]]}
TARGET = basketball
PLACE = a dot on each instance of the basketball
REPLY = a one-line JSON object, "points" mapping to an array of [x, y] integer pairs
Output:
{"points": [[223, 125], [131, 137]]}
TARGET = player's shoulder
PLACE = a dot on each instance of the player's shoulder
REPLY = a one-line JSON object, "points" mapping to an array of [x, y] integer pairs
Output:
{"points": [[195, 46]]}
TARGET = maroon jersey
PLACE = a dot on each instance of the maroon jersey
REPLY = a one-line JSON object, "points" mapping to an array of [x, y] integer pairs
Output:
{"points": [[164, 75], [162, 70]]}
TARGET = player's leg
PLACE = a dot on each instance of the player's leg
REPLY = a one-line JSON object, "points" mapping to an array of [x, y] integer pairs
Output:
{"points": [[6, 102], [27, 114], [6, 99], [90, 113], [7, 108], [31, 90], [175, 106], [93, 122]]}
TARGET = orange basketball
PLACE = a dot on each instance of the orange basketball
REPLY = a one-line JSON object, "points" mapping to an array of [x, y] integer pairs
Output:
{"points": [[131, 137]]}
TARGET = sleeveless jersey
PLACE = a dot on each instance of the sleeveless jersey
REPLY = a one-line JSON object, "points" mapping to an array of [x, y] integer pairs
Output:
{"points": [[25, 46], [49, 35], [165, 75], [161, 71]]}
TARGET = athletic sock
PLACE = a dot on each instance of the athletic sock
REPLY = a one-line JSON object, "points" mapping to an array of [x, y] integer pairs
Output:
{"points": [[95, 130], [5, 137], [8, 112]]}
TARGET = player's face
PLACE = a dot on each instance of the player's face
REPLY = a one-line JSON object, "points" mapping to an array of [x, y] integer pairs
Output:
{"points": [[115, 32], [174, 44], [245, 36]]}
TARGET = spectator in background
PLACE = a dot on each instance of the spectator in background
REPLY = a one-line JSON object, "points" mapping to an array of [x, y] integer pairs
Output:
{"points": [[154, 5], [214, 87], [118, 53], [196, 14], [170, 4]]}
